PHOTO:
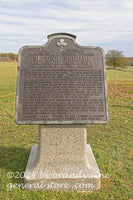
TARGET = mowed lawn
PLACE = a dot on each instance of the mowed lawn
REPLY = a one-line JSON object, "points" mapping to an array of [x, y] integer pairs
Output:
{"points": [[112, 144]]}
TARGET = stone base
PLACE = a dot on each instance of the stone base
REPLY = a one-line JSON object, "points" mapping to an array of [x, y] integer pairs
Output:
{"points": [[81, 177]]}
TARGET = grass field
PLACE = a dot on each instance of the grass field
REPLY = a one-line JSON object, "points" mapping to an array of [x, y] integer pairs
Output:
{"points": [[112, 144]]}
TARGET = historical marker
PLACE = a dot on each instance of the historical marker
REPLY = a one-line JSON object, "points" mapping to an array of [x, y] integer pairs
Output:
{"points": [[61, 82], [61, 86]]}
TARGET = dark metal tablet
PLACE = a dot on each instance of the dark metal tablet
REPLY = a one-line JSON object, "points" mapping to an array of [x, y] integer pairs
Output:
{"points": [[61, 82]]}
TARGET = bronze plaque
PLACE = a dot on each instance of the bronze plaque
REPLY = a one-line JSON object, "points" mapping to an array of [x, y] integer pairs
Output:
{"points": [[61, 82]]}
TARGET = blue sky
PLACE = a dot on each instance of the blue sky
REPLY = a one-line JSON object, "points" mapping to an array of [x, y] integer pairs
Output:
{"points": [[104, 23]]}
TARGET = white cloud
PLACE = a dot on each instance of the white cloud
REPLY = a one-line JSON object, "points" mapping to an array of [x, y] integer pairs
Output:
{"points": [[96, 22], [128, 4]]}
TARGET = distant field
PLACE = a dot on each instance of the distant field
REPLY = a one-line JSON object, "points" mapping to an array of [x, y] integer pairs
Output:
{"points": [[112, 144]]}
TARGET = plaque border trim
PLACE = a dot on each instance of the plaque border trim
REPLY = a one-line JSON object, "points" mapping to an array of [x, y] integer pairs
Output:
{"points": [[51, 37]]}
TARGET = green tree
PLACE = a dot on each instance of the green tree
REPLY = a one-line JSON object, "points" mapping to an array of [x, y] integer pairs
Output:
{"points": [[13, 56], [115, 58]]}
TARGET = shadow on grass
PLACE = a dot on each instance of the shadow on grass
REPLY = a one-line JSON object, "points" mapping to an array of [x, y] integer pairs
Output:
{"points": [[14, 158], [119, 69], [121, 106]]}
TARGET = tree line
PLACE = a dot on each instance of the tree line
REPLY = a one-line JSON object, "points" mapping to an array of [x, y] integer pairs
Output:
{"points": [[114, 59], [8, 57]]}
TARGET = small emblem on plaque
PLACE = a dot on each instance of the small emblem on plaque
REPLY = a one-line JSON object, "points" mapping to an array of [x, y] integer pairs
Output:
{"points": [[61, 43]]}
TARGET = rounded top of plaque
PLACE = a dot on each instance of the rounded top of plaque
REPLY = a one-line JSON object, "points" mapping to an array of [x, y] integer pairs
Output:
{"points": [[55, 35]]}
